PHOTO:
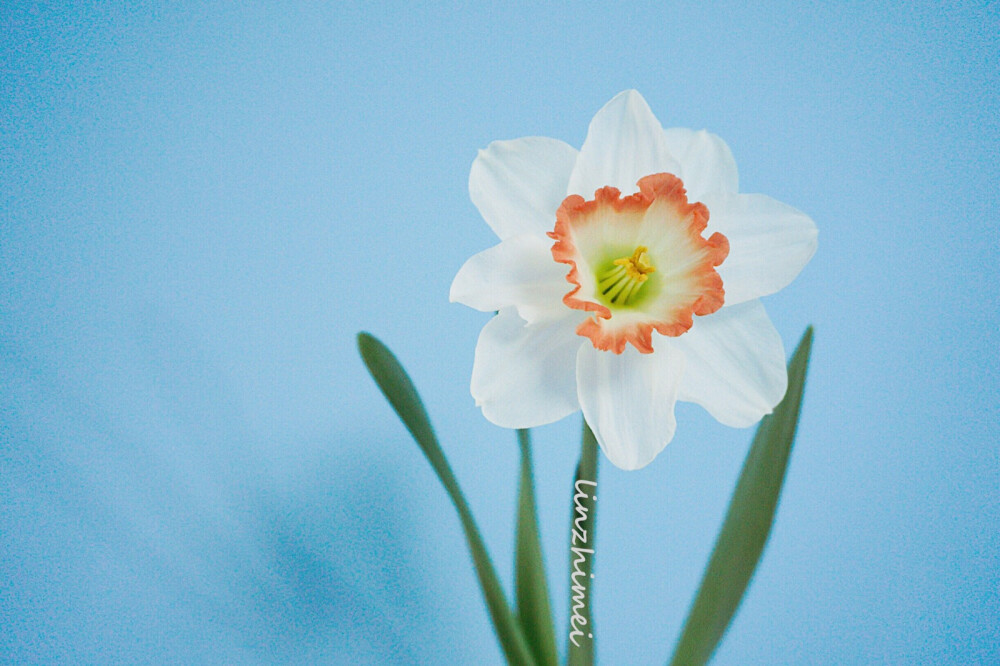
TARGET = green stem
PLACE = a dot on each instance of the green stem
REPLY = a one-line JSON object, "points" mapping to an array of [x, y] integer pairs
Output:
{"points": [[534, 611], [747, 524], [399, 390], [580, 651]]}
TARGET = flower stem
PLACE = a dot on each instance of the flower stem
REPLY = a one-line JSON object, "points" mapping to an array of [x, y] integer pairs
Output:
{"points": [[580, 651], [531, 586]]}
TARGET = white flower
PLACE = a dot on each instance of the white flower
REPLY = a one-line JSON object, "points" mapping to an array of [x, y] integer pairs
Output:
{"points": [[636, 304]]}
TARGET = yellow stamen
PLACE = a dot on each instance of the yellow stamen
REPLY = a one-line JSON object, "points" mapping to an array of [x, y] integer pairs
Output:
{"points": [[637, 265], [621, 282]]}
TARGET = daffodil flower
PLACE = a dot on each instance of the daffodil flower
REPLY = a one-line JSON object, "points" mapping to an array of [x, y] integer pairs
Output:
{"points": [[627, 278]]}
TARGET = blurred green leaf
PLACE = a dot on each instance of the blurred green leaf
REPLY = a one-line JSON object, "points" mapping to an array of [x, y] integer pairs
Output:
{"points": [[747, 524], [530, 583], [583, 521], [395, 384]]}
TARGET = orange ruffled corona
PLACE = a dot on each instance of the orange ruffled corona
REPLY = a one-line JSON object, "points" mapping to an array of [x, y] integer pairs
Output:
{"points": [[638, 263]]}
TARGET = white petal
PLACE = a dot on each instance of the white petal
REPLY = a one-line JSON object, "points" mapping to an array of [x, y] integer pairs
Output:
{"points": [[735, 364], [624, 143], [628, 400], [523, 375], [518, 185], [707, 164], [519, 272], [769, 243]]}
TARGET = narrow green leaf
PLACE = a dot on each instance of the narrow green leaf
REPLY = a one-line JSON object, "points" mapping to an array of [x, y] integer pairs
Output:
{"points": [[402, 395], [580, 651], [747, 524], [530, 583]]}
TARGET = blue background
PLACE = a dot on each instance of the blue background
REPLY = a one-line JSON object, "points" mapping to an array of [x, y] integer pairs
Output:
{"points": [[199, 208]]}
